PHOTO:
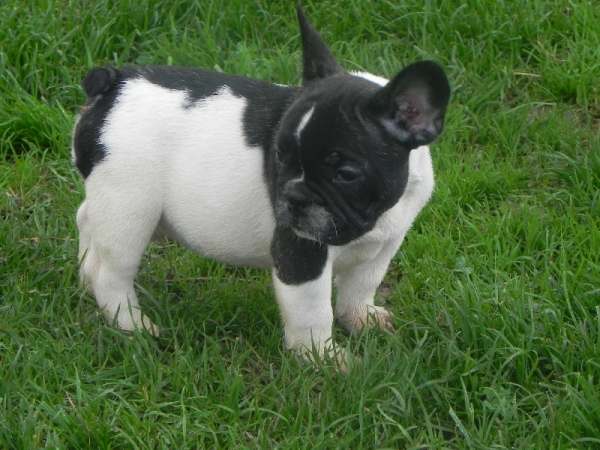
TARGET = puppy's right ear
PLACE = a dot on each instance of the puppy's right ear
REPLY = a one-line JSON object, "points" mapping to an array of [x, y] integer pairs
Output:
{"points": [[318, 62], [412, 106]]}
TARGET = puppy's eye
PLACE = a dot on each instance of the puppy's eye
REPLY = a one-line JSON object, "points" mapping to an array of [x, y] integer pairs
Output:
{"points": [[333, 159], [347, 174], [283, 156]]}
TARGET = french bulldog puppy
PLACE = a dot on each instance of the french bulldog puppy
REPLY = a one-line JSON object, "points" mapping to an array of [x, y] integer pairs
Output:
{"points": [[319, 182]]}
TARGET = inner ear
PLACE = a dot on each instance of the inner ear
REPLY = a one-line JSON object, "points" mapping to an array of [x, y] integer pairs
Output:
{"points": [[411, 107], [318, 61]]}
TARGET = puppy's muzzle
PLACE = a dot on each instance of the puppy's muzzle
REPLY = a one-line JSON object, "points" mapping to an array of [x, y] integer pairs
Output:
{"points": [[302, 211]]}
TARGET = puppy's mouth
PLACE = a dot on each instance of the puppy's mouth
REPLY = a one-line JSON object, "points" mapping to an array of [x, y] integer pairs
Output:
{"points": [[305, 235], [312, 222], [340, 208], [328, 218]]}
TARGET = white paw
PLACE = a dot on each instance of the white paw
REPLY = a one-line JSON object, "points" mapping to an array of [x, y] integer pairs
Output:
{"points": [[329, 353], [149, 326], [366, 316], [133, 321]]}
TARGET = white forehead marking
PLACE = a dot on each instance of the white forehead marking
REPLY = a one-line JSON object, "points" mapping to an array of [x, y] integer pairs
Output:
{"points": [[369, 76], [305, 118]]}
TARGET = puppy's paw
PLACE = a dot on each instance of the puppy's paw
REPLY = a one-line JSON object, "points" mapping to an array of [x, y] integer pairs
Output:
{"points": [[366, 316], [149, 326], [325, 355], [133, 322]]}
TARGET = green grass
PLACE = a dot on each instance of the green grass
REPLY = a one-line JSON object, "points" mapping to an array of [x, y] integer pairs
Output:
{"points": [[496, 291]]}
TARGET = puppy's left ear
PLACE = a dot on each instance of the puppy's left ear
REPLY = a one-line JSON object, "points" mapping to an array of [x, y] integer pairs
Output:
{"points": [[411, 107], [317, 60]]}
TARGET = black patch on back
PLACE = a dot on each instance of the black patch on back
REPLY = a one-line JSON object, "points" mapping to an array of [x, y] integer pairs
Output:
{"points": [[296, 260], [266, 103]]}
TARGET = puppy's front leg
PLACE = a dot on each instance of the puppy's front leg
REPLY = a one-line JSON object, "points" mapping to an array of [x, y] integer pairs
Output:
{"points": [[356, 287], [306, 311], [302, 282]]}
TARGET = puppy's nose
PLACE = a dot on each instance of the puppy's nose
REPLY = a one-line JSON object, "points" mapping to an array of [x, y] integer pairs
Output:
{"points": [[297, 198], [296, 194]]}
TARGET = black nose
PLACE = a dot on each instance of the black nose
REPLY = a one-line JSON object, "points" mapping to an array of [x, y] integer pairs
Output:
{"points": [[297, 195], [297, 198]]}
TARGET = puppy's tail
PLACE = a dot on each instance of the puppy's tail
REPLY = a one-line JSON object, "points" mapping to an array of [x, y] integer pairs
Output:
{"points": [[100, 80]]}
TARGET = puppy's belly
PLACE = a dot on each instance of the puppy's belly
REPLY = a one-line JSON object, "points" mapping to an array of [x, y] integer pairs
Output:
{"points": [[237, 232], [216, 199]]}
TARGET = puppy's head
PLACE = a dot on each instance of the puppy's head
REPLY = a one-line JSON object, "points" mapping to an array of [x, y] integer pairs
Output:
{"points": [[342, 147]]}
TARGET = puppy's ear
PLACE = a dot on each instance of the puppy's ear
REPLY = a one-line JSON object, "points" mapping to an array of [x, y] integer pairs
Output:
{"points": [[411, 107], [318, 62]]}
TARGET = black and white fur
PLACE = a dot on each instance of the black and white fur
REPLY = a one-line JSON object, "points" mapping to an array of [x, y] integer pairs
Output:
{"points": [[320, 182]]}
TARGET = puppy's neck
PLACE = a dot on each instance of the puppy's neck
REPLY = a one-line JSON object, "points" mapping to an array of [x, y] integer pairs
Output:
{"points": [[264, 113]]}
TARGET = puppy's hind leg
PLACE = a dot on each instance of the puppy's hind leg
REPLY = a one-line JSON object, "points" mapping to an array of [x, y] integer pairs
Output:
{"points": [[86, 263], [115, 228]]}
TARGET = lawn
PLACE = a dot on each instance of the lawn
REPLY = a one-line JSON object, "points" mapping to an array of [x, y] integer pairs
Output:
{"points": [[496, 291]]}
